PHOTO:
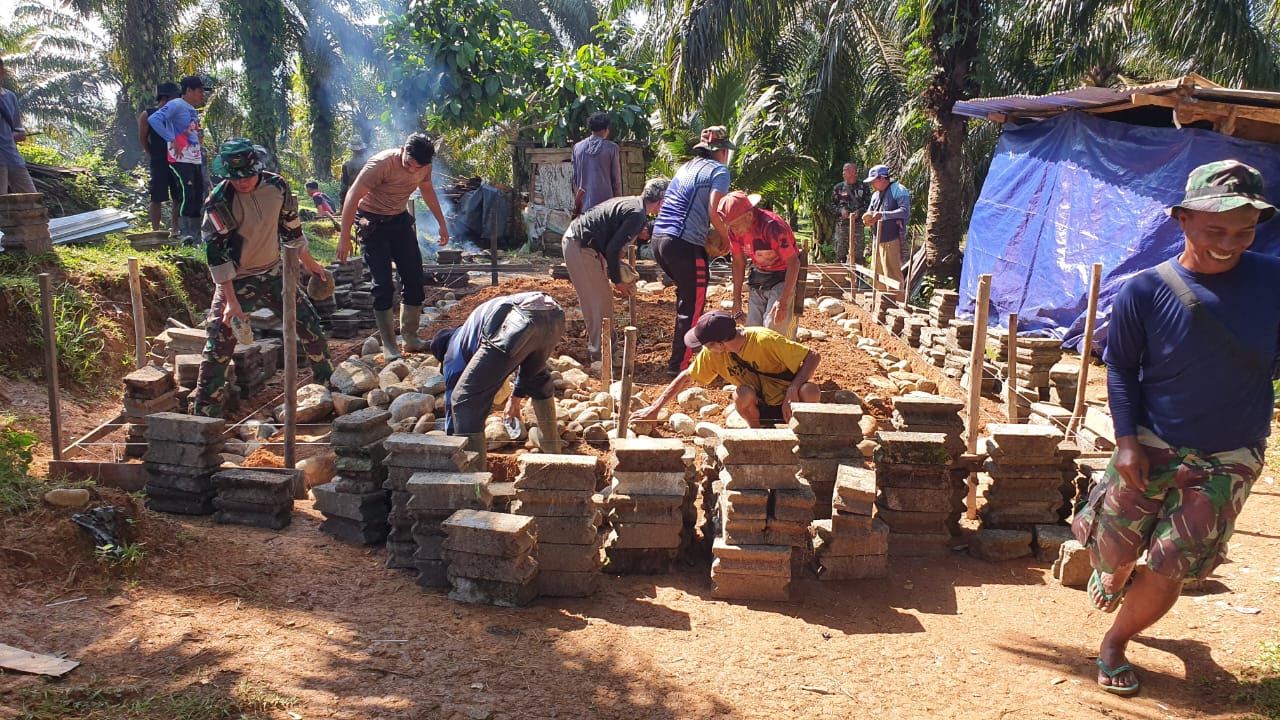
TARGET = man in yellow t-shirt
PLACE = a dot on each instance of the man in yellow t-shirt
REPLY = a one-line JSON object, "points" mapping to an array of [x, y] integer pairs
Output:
{"points": [[768, 371]]}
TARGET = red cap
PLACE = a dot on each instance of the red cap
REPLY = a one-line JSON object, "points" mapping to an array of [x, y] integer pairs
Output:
{"points": [[736, 204]]}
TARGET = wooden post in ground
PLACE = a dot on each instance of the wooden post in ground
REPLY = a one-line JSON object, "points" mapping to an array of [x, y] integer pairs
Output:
{"points": [[977, 357], [628, 373], [1086, 350], [875, 269], [493, 261], [631, 297], [139, 314], [1011, 371], [851, 256], [289, 309], [51, 364], [606, 355]]}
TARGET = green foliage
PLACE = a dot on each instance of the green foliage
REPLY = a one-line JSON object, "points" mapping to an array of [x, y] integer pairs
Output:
{"points": [[124, 555], [1259, 686], [587, 81], [245, 701], [80, 338], [40, 154], [17, 488]]}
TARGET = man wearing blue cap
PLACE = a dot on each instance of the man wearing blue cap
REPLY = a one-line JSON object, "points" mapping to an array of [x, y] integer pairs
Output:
{"points": [[887, 215]]}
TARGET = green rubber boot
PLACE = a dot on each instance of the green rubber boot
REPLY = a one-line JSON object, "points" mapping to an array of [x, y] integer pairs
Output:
{"points": [[387, 333], [410, 315], [549, 433]]}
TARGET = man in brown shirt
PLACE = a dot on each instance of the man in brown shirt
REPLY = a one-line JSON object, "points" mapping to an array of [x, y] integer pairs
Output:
{"points": [[387, 233]]}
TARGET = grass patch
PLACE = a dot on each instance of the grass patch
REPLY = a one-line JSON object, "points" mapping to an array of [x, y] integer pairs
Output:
{"points": [[322, 239], [1259, 686], [246, 701], [18, 489]]}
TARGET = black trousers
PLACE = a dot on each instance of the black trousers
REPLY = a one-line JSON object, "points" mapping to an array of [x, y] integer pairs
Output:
{"points": [[385, 239], [191, 178], [523, 342], [686, 264]]}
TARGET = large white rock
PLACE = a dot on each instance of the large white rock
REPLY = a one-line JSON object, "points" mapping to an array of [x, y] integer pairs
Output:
{"points": [[412, 404], [354, 377], [830, 306], [428, 380], [692, 398], [682, 424], [709, 410], [575, 377], [314, 404], [318, 469]]}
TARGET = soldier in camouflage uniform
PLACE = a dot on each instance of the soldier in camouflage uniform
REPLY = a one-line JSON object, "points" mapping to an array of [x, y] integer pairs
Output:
{"points": [[849, 200], [1191, 351], [246, 218]]}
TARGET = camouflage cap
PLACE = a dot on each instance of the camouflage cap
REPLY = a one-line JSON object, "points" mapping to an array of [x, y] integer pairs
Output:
{"points": [[237, 158], [1225, 185], [715, 139]]}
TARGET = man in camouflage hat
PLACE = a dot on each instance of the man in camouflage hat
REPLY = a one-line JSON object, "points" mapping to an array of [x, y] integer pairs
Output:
{"points": [[246, 218], [1191, 351]]}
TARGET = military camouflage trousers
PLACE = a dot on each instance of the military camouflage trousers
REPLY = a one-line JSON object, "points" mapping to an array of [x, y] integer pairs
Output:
{"points": [[254, 292], [1182, 520]]}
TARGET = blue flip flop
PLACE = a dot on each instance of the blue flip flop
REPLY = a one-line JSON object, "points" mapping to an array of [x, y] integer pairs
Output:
{"points": [[1110, 601], [1121, 690]]}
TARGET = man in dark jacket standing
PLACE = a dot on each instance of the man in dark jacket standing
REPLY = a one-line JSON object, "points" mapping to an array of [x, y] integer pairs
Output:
{"points": [[597, 170]]}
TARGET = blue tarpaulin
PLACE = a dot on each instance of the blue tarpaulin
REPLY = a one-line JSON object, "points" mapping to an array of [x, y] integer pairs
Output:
{"points": [[1067, 192]]}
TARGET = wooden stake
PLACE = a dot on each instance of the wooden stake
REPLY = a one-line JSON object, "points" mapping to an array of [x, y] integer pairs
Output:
{"points": [[628, 373], [1011, 372], [852, 258], [875, 269], [289, 310], [606, 354], [976, 357], [51, 364], [1086, 349], [631, 299], [139, 314]]}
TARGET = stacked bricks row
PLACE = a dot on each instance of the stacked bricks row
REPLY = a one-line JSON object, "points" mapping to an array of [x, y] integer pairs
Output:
{"points": [[1025, 469], [258, 498], [147, 390], [1036, 360], [430, 478], [765, 512], [489, 557], [921, 492], [648, 488], [827, 436], [183, 453], [852, 544], [355, 505], [922, 413], [184, 348], [556, 491], [24, 221], [441, 454]]}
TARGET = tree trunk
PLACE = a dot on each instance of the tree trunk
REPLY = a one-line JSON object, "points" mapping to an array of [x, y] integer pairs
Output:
{"points": [[259, 28], [317, 72], [944, 223]]}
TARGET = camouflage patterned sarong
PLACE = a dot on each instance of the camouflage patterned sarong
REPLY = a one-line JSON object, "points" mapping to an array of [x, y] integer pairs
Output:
{"points": [[1182, 520], [253, 292]]}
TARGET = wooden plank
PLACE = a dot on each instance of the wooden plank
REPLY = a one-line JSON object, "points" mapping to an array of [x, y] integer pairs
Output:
{"points": [[130, 477], [51, 363], [12, 658], [1209, 107]]}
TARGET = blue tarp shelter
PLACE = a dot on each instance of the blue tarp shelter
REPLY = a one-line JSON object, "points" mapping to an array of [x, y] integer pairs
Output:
{"points": [[1075, 189]]}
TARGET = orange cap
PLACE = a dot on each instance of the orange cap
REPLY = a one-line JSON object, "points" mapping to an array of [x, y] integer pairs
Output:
{"points": [[737, 203]]}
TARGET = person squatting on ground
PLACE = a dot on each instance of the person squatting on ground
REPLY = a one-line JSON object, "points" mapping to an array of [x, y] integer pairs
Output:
{"points": [[246, 218], [768, 371], [387, 233], [849, 200], [351, 168], [680, 233], [1191, 352], [324, 203], [889, 211], [597, 168], [178, 122], [767, 240], [513, 333], [593, 247], [14, 177], [163, 185]]}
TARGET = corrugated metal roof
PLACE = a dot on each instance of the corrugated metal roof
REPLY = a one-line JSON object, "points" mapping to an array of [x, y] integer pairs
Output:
{"points": [[1055, 103]]}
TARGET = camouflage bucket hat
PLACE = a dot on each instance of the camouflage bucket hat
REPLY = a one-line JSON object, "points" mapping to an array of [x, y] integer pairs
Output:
{"points": [[1225, 185], [237, 158], [715, 139]]}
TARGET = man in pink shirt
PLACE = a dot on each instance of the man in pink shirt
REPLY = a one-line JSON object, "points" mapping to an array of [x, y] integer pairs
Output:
{"points": [[767, 240]]}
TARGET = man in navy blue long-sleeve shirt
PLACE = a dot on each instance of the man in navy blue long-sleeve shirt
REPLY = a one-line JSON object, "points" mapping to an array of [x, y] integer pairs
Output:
{"points": [[1191, 397], [511, 333]]}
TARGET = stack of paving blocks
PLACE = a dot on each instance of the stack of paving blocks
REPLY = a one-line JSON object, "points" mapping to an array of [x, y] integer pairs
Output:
{"points": [[912, 329], [884, 302], [921, 492], [1026, 476], [923, 413], [645, 500], [408, 454], [344, 323], [183, 453], [489, 557], [852, 544], [355, 505], [147, 390], [24, 222], [896, 320], [942, 307], [1036, 358], [252, 372], [258, 498], [1065, 379], [827, 436], [765, 511], [433, 497], [557, 490]]}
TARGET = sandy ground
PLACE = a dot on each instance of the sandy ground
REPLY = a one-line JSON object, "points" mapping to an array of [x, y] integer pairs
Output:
{"points": [[224, 610]]}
